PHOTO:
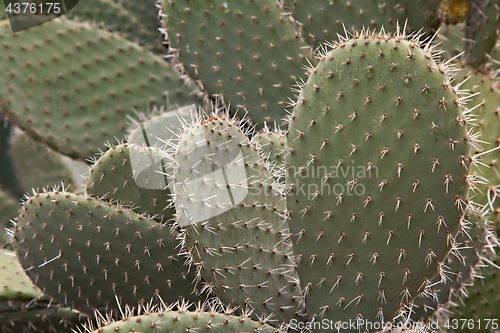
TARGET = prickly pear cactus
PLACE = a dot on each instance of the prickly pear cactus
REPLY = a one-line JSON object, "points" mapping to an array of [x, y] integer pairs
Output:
{"points": [[481, 31], [322, 20], [479, 311], [178, 319], [377, 175], [40, 167], [231, 212], [115, 17], [474, 243], [74, 98], [485, 91], [245, 52], [9, 210], [89, 254]]}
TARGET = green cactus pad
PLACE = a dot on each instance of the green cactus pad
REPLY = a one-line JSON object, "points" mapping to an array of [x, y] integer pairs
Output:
{"points": [[37, 166], [83, 252], [272, 143], [473, 244], [245, 52], [15, 285], [377, 171], [481, 32], [232, 217], [8, 177], [322, 20], [135, 176], [76, 92], [487, 90], [44, 319], [183, 320], [117, 19]]}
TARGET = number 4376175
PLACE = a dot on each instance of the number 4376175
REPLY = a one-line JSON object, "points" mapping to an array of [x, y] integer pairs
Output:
{"points": [[461, 324], [33, 8]]}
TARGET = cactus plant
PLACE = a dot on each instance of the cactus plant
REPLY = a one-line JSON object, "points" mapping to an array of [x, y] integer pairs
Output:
{"points": [[390, 106], [180, 318], [132, 76], [486, 91], [88, 276], [211, 209], [481, 31], [232, 219], [8, 211]]}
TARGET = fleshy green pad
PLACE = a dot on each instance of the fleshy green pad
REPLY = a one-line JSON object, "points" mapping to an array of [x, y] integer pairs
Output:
{"points": [[115, 18], [322, 20], [135, 176], [44, 319], [23, 308], [451, 39], [15, 285], [180, 321], [246, 52], [481, 30], [76, 93], [472, 245], [233, 219], [376, 166], [488, 114], [83, 252]]}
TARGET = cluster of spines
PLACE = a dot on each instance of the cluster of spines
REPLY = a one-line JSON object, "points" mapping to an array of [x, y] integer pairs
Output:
{"points": [[179, 317]]}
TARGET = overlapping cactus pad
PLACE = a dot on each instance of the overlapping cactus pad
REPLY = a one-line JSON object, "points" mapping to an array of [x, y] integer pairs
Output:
{"points": [[55, 98], [90, 254], [233, 224], [247, 52], [377, 171], [182, 317]]}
